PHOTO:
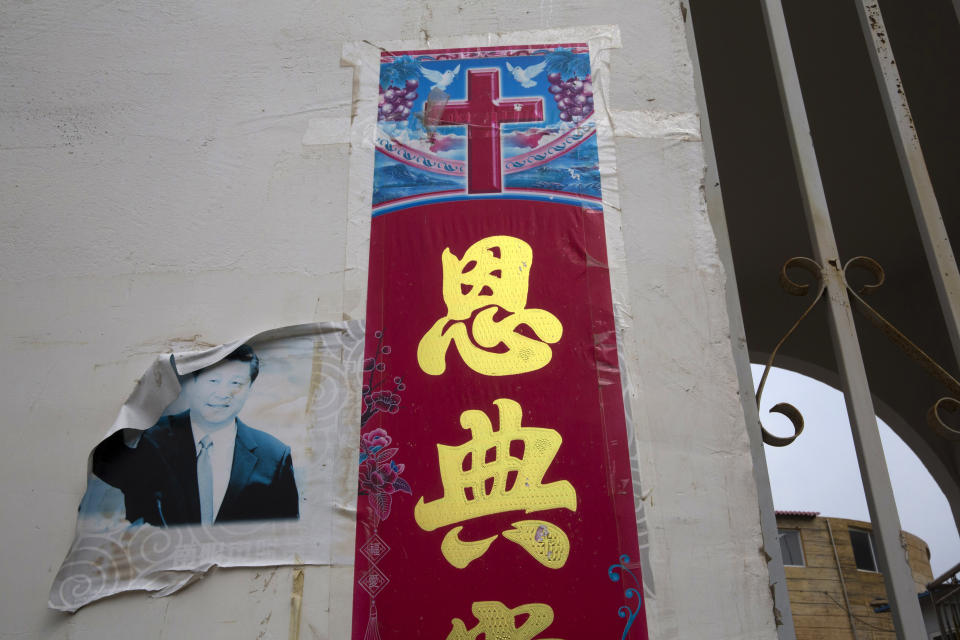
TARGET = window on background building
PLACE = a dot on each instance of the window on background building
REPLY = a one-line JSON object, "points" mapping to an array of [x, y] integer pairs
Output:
{"points": [[862, 542], [791, 547]]}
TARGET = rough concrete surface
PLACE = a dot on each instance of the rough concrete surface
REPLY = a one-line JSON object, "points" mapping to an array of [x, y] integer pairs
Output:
{"points": [[156, 191]]}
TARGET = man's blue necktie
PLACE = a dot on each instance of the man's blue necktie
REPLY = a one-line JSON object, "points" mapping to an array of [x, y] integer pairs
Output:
{"points": [[205, 480]]}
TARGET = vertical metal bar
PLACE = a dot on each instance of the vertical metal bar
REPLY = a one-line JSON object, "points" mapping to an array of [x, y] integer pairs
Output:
{"points": [[863, 421], [933, 233], [938, 608], [783, 614]]}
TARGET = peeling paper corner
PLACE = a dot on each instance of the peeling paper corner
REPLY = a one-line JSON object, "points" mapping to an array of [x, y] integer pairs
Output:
{"points": [[303, 404]]}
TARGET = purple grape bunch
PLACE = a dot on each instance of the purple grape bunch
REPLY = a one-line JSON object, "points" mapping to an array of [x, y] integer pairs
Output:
{"points": [[574, 96], [397, 102]]}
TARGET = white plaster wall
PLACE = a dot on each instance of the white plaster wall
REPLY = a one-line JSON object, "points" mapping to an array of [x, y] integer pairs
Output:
{"points": [[154, 193]]}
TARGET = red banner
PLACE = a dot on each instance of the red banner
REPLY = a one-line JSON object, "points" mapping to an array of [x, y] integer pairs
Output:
{"points": [[495, 485]]}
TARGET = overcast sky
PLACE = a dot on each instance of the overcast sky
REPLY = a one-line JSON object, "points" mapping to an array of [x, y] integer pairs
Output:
{"points": [[819, 471]]}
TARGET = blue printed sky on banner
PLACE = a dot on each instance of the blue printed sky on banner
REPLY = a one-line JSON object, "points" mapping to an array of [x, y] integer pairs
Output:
{"points": [[509, 88]]}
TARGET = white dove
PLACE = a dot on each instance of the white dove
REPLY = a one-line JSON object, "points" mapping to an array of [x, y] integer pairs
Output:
{"points": [[440, 80], [523, 76]]}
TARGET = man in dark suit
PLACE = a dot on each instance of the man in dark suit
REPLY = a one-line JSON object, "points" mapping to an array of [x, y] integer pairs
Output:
{"points": [[204, 466]]}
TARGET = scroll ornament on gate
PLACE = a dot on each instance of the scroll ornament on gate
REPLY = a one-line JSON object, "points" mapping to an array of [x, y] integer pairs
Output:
{"points": [[934, 417], [491, 279], [497, 472]]}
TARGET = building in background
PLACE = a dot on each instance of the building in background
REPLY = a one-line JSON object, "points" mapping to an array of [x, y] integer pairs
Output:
{"points": [[834, 580]]}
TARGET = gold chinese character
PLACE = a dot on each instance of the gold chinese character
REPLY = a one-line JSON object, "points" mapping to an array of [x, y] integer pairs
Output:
{"points": [[497, 622], [543, 540], [492, 277], [483, 476]]}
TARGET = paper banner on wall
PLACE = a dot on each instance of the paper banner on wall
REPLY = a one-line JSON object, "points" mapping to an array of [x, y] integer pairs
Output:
{"points": [[226, 457], [495, 483]]}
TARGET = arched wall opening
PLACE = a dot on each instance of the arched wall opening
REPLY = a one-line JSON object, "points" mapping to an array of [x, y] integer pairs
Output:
{"points": [[905, 429], [819, 471], [869, 207]]}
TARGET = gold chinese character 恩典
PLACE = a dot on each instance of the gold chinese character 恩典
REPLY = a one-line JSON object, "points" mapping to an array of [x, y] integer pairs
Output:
{"points": [[497, 472], [491, 279], [497, 622]]}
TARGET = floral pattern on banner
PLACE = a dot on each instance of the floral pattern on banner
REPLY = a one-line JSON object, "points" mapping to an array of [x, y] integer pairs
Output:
{"points": [[377, 396], [379, 474], [379, 477]]}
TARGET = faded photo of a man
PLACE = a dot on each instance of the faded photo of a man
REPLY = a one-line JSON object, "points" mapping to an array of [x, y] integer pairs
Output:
{"points": [[221, 456], [204, 465]]}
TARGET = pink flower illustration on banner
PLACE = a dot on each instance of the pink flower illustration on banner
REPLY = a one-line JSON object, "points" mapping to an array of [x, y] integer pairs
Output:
{"points": [[379, 473], [376, 438]]}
